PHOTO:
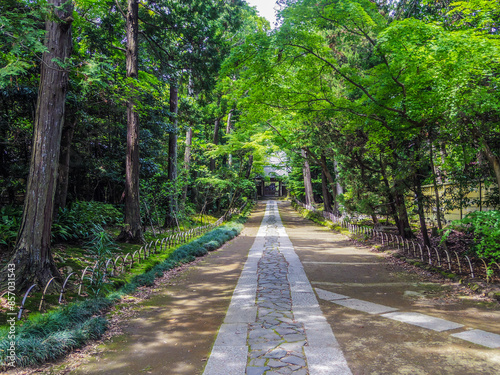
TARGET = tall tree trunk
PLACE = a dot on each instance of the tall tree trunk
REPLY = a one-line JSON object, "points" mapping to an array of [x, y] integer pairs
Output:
{"points": [[330, 182], [132, 231], [326, 179], [306, 171], [391, 198], [327, 201], [172, 204], [436, 190], [404, 223], [216, 142], [187, 162], [420, 209], [339, 189], [63, 174], [229, 127], [32, 257], [250, 165], [492, 159]]}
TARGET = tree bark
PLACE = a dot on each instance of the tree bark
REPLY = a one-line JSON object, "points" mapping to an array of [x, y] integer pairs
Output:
{"points": [[493, 160], [228, 131], [421, 212], [306, 171], [436, 190], [64, 159], [338, 189], [132, 231], [326, 179], [250, 165], [32, 258], [404, 223], [216, 142], [172, 204], [327, 201], [187, 162]]}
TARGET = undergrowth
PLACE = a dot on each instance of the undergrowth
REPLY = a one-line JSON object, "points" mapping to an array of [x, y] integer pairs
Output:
{"points": [[45, 337]]}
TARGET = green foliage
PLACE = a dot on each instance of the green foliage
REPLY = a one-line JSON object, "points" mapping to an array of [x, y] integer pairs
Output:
{"points": [[100, 244], [21, 37], [10, 219], [45, 337], [82, 218], [485, 227]]}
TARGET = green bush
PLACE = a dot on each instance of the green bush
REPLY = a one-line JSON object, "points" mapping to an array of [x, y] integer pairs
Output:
{"points": [[77, 222], [485, 227], [10, 220]]}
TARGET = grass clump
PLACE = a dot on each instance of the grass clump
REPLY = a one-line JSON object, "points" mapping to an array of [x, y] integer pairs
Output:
{"points": [[45, 337]]}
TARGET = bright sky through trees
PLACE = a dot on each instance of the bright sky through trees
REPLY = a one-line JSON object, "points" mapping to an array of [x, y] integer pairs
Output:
{"points": [[266, 9]]}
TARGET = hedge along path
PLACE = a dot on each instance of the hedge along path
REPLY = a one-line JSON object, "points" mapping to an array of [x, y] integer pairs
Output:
{"points": [[174, 330]]}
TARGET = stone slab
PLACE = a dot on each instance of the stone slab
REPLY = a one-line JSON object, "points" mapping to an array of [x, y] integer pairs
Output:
{"points": [[227, 360], [326, 361], [424, 321], [320, 335], [477, 336], [232, 334], [304, 299], [237, 314], [308, 314], [346, 263], [364, 306], [329, 296]]}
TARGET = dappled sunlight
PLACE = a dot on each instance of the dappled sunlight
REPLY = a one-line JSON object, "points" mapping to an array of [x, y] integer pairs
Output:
{"points": [[175, 328]]}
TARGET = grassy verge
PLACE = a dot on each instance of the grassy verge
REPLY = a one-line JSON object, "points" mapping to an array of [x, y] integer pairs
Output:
{"points": [[45, 337]]}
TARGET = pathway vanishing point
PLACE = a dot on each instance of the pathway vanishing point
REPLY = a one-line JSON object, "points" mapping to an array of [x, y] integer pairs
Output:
{"points": [[274, 324]]}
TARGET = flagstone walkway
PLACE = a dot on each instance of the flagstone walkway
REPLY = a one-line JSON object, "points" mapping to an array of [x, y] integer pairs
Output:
{"points": [[274, 324]]}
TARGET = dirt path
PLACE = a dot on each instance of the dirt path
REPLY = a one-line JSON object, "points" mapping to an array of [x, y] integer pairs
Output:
{"points": [[372, 343]]}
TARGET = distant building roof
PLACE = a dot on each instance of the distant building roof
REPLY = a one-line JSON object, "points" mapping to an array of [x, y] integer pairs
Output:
{"points": [[278, 165]]}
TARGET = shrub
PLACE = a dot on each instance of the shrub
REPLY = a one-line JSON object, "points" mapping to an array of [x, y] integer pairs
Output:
{"points": [[78, 221], [10, 220], [485, 228]]}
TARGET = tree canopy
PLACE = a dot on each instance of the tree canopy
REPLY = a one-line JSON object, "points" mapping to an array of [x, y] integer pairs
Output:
{"points": [[380, 98]]}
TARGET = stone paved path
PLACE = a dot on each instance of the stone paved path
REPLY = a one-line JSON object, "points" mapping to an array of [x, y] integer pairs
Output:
{"points": [[274, 324]]}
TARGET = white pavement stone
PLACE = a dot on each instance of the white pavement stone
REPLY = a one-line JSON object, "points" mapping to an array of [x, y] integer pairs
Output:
{"points": [[326, 361], [232, 334], [320, 335], [365, 306], [227, 360], [424, 321], [329, 296], [308, 314], [304, 299], [477, 336]]}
